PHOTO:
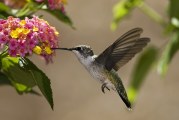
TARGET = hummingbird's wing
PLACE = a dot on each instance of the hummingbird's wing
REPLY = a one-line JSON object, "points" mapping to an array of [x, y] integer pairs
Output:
{"points": [[123, 49]]}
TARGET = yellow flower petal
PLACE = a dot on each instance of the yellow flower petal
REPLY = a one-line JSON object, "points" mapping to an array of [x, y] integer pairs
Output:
{"points": [[37, 50], [56, 33], [35, 29], [46, 22], [48, 50], [64, 2], [14, 34], [22, 22], [25, 31], [19, 30]]}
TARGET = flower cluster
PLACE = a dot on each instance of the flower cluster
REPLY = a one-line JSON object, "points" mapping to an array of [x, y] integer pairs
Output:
{"points": [[52, 4], [24, 37], [55, 4]]}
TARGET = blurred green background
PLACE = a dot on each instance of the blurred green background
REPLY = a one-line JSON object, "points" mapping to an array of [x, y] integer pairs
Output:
{"points": [[76, 94]]}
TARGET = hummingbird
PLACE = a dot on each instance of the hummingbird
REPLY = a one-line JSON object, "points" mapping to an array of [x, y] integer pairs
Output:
{"points": [[104, 67]]}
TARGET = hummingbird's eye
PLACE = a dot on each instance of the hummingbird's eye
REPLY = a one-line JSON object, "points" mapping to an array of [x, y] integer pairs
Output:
{"points": [[79, 48]]}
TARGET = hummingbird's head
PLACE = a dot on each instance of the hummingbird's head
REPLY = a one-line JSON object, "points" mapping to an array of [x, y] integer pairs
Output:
{"points": [[81, 51], [84, 53]]}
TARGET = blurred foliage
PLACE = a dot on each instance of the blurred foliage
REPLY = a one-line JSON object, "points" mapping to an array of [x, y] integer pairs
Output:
{"points": [[168, 53], [29, 8], [122, 9], [64, 18], [142, 67], [147, 59]]}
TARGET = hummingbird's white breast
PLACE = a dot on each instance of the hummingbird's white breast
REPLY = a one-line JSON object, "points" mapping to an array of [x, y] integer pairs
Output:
{"points": [[96, 71]]}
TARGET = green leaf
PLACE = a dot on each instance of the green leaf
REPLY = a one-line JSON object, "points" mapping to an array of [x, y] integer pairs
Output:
{"points": [[122, 9], [24, 75], [61, 16], [4, 79], [173, 13], [168, 53], [21, 79], [34, 92], [5, 11], [174, 9], [140, 71], [2, 16], [42, 81], [4, 7]]}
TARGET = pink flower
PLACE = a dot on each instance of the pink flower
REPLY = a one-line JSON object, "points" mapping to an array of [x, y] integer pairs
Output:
{"points": [[24, 37], [12, 53], [3, 38], [22, 52], [22, 44], [13, 44], [1, 27], [55, 4]]}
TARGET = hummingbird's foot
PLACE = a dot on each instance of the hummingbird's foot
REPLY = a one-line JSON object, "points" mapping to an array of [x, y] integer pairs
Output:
{"points": [[103, 87]]}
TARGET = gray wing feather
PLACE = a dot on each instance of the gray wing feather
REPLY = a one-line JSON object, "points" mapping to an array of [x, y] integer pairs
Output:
{"points": [[123, 49]]}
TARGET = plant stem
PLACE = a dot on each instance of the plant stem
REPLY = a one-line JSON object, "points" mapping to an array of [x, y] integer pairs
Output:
{"points": [[152, 14], [23, 11]]}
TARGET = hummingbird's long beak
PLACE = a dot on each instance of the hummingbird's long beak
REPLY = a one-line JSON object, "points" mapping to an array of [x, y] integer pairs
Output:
{"points": [[69, 49]]}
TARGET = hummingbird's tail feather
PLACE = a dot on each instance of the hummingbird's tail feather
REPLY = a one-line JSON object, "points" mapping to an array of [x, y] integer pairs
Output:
{"points": [[124, 98], [120, 88]]}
